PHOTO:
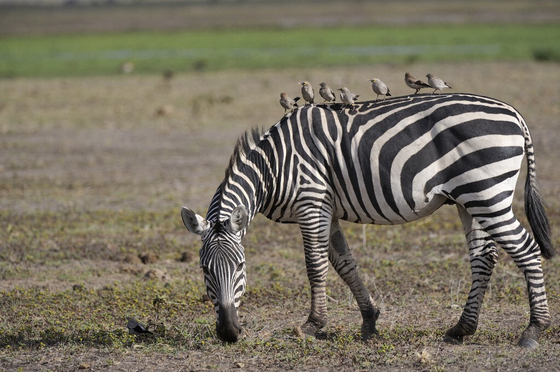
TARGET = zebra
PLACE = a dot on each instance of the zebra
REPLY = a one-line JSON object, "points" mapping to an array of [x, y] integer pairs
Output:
{"points": [[385, 163]]}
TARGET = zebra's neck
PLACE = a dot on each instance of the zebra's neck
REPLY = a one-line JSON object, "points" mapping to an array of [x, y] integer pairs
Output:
{"points": [[247, 181]]}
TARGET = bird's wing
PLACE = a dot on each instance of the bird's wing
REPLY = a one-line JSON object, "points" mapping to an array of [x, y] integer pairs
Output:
{"points": [[421, 83]]}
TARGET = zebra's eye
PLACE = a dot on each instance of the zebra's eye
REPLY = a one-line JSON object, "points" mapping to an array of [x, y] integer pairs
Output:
{"points": [[240, 267], [205, 270]]}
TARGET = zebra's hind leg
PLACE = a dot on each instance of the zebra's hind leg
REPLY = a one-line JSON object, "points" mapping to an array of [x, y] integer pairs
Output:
{"points": [[483, 258], [343, 262], [508, 233]]}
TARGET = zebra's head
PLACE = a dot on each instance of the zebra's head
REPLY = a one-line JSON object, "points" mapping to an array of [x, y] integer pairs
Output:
{"points": [[223, 262]]}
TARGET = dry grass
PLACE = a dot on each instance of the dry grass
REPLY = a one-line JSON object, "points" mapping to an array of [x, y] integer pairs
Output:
{"points": [[93, 173]]}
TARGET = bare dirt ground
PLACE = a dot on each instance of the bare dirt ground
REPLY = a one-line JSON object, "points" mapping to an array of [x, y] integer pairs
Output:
{"points": [[93, 173]]}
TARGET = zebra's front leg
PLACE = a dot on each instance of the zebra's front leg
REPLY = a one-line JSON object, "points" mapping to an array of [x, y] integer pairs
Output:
{"points": [[316, 247], [483, 259], [343, 262]]}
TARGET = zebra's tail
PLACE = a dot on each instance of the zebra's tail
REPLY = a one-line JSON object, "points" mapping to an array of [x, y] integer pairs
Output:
{"points": [[535, 205]]}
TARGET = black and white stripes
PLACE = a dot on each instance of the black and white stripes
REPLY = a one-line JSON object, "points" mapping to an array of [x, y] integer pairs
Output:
{"points": [[384, 162]]}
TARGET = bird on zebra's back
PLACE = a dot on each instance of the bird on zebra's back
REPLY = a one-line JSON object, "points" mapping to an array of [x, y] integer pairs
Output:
{"points": [[379, 88], [307, 92], [327, 93], [287, 102], [437, 83], [414, 83], [347, 97]]}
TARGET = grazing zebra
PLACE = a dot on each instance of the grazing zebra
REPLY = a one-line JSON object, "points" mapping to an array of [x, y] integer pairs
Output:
{"points": [[387, 162]]}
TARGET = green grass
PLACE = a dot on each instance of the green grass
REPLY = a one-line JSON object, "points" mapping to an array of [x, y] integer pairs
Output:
{"points": [[152, 52]]}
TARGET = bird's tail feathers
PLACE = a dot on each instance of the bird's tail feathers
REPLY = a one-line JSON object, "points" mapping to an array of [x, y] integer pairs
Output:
{"points": [[296, 99]]}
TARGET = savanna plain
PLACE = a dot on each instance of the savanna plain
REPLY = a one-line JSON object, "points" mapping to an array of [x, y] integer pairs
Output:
{"points": [[94, 171]]}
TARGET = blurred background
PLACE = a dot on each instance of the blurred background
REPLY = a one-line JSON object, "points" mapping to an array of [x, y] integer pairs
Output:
{"points": [[96, 37]]}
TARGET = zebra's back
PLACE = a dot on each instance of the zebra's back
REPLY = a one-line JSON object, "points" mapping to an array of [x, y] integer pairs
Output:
{"points": [[399, 160]]}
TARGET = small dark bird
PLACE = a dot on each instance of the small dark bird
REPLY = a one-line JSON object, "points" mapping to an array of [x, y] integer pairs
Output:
{"points": [[135, 328], [414, 83], [327, 93]]}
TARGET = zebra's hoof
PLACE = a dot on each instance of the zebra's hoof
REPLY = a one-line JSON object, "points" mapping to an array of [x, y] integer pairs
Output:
{"points": [[369, 335], [528, 343], [309, 329], [453, 340], [368, 331]]}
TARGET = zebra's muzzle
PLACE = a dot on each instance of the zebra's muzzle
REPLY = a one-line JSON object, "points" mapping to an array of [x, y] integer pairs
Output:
{"points": [[228, 327]]}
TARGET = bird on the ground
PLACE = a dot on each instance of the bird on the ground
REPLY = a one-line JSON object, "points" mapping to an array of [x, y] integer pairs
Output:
{"points": [[327, 93], [347, 97], [135, 328], [379, 88], [437, 83], [307, 92], [287, 102], [414, 83]]}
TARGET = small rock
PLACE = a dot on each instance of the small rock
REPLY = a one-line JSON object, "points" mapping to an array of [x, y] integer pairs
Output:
{"points": [[238, 365], [148, 258], [84, 366], [157, 274], [186, 256], [132, 259], [206, 298], [298, 332], [127, 67], [164, 110]]}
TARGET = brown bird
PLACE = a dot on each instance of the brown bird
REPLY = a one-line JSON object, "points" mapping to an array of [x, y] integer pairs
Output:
{"points": [[436, 83], [287, 102], [414, 83], [307, 92], [327, 93]]}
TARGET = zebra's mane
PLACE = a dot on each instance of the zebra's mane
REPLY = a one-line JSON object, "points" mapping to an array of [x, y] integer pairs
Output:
{"points": [[245, 144]]}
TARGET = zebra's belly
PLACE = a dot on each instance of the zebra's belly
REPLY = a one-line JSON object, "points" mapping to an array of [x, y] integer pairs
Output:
{"points": [[404, 215]]}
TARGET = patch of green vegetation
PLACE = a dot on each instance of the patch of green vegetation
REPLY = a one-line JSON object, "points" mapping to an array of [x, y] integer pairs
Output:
{"points": [[35, 318], [153, 52]]}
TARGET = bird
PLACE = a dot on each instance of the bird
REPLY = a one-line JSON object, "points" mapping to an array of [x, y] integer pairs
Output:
{"points": [[436, 83], [307, 92], [347, 97], [135, 328], [287, 102], [327, 93], [379, 87], [414, 83]]}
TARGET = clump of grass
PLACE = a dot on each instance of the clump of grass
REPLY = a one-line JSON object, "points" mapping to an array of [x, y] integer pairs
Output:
{"points": [[546, 55]]}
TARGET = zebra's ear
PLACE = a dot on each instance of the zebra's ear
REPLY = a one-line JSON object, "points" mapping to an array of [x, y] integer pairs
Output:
{"points": [[193, 222], [239, 219]]}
